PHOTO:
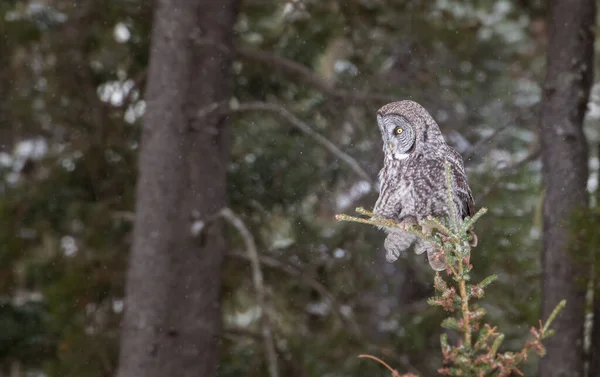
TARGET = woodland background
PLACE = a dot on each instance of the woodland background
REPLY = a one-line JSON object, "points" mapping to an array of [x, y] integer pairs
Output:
{"points": [[268, 108]]}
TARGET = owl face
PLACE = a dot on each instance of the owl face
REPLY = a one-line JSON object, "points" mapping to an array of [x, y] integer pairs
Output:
{"points": [[398, 135], [407, 129]]}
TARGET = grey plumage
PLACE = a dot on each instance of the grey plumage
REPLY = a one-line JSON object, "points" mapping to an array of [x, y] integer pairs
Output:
{"points": [[412, 181]]}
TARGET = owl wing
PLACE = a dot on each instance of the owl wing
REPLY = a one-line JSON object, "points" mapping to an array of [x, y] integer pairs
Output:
{"points": [[432, 172], [388, 203], [462, 189]]}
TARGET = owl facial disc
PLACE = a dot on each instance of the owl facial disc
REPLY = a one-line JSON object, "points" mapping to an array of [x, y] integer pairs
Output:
{"points": [[398, 135]]}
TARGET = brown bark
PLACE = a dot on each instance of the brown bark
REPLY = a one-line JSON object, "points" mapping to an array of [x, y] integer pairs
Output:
{"points": [[172, 319], [565, 159]]}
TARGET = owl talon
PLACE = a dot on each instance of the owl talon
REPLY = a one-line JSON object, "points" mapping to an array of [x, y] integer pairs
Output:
{"points": [[406, 227], [427, 230]]}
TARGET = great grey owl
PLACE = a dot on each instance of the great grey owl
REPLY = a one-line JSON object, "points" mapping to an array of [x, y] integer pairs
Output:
{"points": [[412, 181]]}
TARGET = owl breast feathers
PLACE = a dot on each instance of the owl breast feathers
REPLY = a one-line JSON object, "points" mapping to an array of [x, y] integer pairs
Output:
{"points": [[412, 181]]}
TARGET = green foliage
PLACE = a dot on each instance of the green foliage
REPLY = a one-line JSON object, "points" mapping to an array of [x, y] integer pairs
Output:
{"points": [[25, 332]]}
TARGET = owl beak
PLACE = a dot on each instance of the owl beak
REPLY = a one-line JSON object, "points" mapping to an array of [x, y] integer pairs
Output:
{"points": [[390, 146]]}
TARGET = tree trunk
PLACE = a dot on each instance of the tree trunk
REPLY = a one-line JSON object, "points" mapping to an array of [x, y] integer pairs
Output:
{"points": [[593, 356], [172, 320], [594, 352], [565, 171]]}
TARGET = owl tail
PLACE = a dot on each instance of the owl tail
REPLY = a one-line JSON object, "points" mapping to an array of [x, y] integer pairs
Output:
{"points": [[396, 243], [434, 255]]}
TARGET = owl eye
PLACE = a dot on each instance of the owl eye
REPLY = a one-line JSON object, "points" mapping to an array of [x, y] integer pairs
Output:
{"points": [[398, 130]]}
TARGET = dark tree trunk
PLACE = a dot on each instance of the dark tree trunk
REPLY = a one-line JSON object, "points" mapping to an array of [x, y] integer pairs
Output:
{"points": [[172, 319], [565, 159], [594, 354], [594, 351]]}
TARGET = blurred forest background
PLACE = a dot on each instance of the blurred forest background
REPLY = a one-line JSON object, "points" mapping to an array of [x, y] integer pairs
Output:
{"points": [[267, 108]]}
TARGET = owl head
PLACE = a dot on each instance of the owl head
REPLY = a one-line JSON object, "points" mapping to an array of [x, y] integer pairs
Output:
{"points": [[406, 127]]}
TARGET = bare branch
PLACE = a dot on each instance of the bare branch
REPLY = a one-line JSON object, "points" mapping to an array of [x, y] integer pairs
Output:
{"points": [[484, 141], [279, 63], [305, 74], [305, 279], [304, 127], [508, 170], [519, 116], [293, 368], [285, 267], [258, 281]]}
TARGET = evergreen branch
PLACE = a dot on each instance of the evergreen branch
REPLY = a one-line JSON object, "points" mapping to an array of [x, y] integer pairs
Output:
{"points": [[496, 345], [342, 217], [462, 288], [561, 305], [464, 304], [437, 224], [378, 221], [469, 222], [381, 222], [452, 324], [363, 211], [450, 193], [487, 281], [464, 359]]}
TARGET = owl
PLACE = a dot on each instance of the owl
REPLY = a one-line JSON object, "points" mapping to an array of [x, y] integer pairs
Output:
{"points": [[413, 181]]}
